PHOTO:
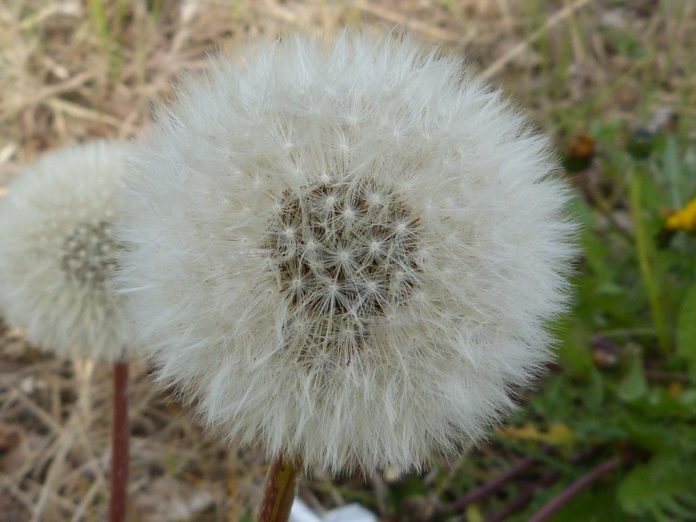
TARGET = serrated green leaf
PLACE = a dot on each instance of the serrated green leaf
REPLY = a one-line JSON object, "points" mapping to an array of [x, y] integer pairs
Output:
{"points": [[648, 434], [686, 329], [664, 488]]}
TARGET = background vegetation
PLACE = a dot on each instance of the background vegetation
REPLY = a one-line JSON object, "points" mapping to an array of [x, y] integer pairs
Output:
{"points": [[613, 82]]}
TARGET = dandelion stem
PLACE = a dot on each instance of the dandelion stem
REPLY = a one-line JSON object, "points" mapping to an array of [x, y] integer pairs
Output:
{"points": [[279, 492], [119, 453]]}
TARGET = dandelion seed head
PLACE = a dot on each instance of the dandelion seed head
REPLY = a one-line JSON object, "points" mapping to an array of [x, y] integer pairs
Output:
{"points": [[400, 263], [58, 252]]}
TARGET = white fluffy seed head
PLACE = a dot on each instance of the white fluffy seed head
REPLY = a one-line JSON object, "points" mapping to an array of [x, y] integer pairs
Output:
{"points": [[58, 252], [368, 296]]}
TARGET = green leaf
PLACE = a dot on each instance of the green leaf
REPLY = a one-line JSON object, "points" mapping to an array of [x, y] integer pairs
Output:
{"points": [[574, 352], [686, 329], [664, 488], [633, 386], [658, 437], [659, 403], [673, 173]]}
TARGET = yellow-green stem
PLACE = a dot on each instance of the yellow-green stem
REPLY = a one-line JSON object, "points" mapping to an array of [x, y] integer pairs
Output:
{"points": [[644, 261]]}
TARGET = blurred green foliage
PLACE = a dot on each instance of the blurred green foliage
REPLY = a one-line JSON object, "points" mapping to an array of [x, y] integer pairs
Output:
{"points": [[625, 382]]}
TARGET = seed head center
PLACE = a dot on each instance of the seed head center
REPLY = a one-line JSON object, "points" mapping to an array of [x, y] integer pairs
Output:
{"points": [[89, 253], [352, 246]]}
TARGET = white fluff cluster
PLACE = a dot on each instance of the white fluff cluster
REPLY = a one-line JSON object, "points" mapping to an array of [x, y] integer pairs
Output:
{"points": [[57, 252], [347, 252]]}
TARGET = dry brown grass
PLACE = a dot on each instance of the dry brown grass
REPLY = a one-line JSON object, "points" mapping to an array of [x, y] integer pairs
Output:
{"points": [[71, 70]]}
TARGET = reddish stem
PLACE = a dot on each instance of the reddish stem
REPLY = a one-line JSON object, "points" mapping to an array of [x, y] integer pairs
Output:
{"points": [[119, 454], [574, 489], [279, 492], [526, 496], [491, 486]]}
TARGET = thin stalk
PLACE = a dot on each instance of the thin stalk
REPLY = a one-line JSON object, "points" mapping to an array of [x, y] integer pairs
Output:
{"points": [[644, 261], [279, 491], [574, 489], [119, 454], [526, 496], [97, 11], [491, 486]]}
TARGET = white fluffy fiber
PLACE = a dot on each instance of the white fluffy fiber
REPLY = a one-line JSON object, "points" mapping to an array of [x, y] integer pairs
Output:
{"points": [[56, 252], [293, 343]]}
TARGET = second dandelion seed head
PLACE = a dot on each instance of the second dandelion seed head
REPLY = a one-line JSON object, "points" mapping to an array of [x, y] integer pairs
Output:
{"points": [[58, 253]]}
